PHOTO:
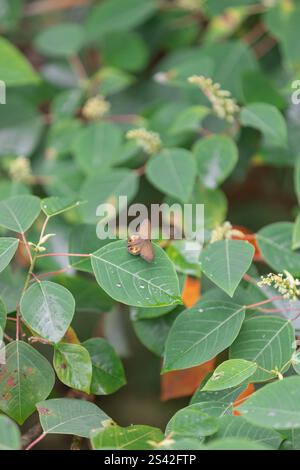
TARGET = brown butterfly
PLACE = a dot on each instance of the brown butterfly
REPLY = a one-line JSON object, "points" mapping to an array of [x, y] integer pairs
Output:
{"points": [[140, 244]]}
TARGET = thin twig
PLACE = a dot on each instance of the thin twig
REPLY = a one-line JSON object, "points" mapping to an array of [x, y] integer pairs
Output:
{"points": [[36, 441], [31, 434]]}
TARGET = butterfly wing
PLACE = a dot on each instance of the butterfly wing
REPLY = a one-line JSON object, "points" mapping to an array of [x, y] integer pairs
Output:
{"points": [[146, 251]]}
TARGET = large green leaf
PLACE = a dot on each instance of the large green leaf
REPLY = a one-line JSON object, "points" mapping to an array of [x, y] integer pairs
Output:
{"points": [[14, 67], [73, 366], [131, 280], [200, 333], [8, 247], [230, 374], [106, 187], [275, 243], [21, 127], [125, 51], [62, 40], [225, 262], [236, 443], [113, 15], [18, 213], [70, 416], [276, 405], [26, 378], [236, 426], [266, 340], [108, 371], [218, 403], [130, 438], [173, 171], [283, 22], [10, 437], [96, 146], [267, 119], [191, 421], [48, 309], [216, 157]]}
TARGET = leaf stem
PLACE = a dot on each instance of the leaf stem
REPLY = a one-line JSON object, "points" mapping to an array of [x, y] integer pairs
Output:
{"points": [[36, 441], [263, 302], [63, 254], [26, 246]]}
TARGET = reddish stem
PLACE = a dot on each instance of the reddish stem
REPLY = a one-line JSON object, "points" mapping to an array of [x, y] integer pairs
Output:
{"points": [[257, 304], [26, 246], [36, 441], [64, 254], [53, 273]]}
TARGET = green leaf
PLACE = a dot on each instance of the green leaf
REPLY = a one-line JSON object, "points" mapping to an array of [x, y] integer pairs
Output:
{"points": [[62, 40], [200, 333], [106, 187], [192, 422], [18, 213], [10, 437], [283, 22], [189, 119], [73, 366], [275, 243], [112, 16], [216, 157], [70, 416], [235, 444], [66, 103], [113, 80], [52, 206], [125, 51], [3, 314], [296, 234], [185, 259], [266, 340], [130, 438], [96, 146], [230, 374], [10, 14], [218, 403], [8, 247], [153, 332], [48, 309], [60, 137], [21, 127], [173, 171], [236, 426], [276, 405], [108, 370], [19, 72], [131, 280], [268, 120], [26, 378], [225, 262]]}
